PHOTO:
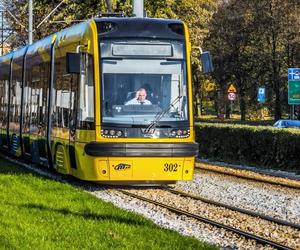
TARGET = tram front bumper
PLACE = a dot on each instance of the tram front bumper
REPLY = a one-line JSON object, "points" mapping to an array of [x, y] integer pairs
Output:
{"points": [[145, 168], [143, 161], [141, 149]]}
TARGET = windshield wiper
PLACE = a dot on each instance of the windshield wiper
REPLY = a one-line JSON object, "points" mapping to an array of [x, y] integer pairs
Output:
{"points": [[161, 114]]}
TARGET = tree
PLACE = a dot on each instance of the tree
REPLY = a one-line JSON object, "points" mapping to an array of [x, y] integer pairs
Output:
{"points": [[70, 10], [230, 43], [253, 47]]}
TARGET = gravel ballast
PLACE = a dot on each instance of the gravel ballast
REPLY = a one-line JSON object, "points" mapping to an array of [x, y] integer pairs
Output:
{"points": [[181, 224], [273, 200]]}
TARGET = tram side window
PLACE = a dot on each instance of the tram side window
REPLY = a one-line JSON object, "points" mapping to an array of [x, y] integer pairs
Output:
{"points": [[15, 96], [86, 116], [35, 98], [4, 84], [73, 101], [62, 95], [65, 96], [2, 96], [27, 101], [44, 71]]}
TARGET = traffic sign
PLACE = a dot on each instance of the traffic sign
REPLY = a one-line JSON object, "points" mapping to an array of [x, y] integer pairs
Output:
{"points": [[231, 96], [294, 74], [231, 89], [294, 92], [261, 95]]}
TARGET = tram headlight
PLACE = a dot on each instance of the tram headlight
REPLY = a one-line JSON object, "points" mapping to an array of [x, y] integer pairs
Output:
{"points": [[119, 133], [112, 133], [173, 133], [180, 133]]}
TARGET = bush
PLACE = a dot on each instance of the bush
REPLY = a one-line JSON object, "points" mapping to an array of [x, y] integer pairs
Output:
{"points": [[257, 145]]}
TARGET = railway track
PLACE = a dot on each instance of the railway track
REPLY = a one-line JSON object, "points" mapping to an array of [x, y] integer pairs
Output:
{"points": [[204, 219], [248, 174], [240, 210]]}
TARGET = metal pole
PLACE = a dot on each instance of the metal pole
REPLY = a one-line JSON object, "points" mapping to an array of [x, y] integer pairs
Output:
{"points": [[108, 5], [2, 33], [138, 8], [30, 38]]}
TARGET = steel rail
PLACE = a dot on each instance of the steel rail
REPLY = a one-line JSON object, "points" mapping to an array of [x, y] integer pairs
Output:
{"points": [[244, 211], [211, 222], [248, 168], [289, 185]]}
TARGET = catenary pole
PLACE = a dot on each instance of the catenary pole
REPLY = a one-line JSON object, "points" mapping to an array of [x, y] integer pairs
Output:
{"points": [[138, 8], [108, 5], [2, 33], [30, 10]]}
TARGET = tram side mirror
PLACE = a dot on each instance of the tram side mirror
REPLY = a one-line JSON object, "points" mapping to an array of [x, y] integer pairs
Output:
{"points": [[73, 63], [206, 61]]}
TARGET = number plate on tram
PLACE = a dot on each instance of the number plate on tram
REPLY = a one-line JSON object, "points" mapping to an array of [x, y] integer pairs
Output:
{"points": [[172, 166]]}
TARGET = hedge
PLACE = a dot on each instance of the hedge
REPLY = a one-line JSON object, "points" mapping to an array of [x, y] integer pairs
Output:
{"points": [[255, 145]]}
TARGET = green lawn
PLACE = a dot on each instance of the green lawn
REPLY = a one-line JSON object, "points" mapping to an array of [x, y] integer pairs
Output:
{"points": [[38, 213]]}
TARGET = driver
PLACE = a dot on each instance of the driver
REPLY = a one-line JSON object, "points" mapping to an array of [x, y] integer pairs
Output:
{"points": [[140, 98]]}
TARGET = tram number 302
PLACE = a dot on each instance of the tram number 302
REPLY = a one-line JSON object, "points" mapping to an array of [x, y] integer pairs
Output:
{"points": [[170, 167]]}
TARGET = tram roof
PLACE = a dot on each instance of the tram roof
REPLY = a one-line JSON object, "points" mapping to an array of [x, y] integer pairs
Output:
{"points": [[140, 28], [135, 20], [122, 27], [6, 58], [19, 53]]}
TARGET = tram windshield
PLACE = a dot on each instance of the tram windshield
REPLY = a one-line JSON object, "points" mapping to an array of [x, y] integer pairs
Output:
{"points": [[138, 91]]}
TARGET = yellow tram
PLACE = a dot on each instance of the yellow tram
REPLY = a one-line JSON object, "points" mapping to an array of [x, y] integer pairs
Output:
{"points": [[106, 100]]}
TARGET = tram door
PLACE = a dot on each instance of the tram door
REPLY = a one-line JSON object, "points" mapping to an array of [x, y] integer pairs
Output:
{"points": [[73, 119]]}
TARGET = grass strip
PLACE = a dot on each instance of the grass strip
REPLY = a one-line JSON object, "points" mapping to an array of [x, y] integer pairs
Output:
{"points": [[40, 213]]}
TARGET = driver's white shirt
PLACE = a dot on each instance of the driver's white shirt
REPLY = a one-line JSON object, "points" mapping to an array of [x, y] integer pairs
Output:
{"points": [[135, 101]]}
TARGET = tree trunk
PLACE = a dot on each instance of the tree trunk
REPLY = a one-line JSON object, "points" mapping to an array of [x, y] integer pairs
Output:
{"points": [[277, 104], [225, 105], [242, 105], [216, 102], [198, 106], [276, 83], [275, 66], [227, 110]]}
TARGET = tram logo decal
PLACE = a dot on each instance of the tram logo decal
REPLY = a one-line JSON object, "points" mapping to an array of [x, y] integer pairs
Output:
{"points": [[122, 166]]}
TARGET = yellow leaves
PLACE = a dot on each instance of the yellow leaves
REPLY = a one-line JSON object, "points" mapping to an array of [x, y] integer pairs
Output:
{"points": [[208, 86]]}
